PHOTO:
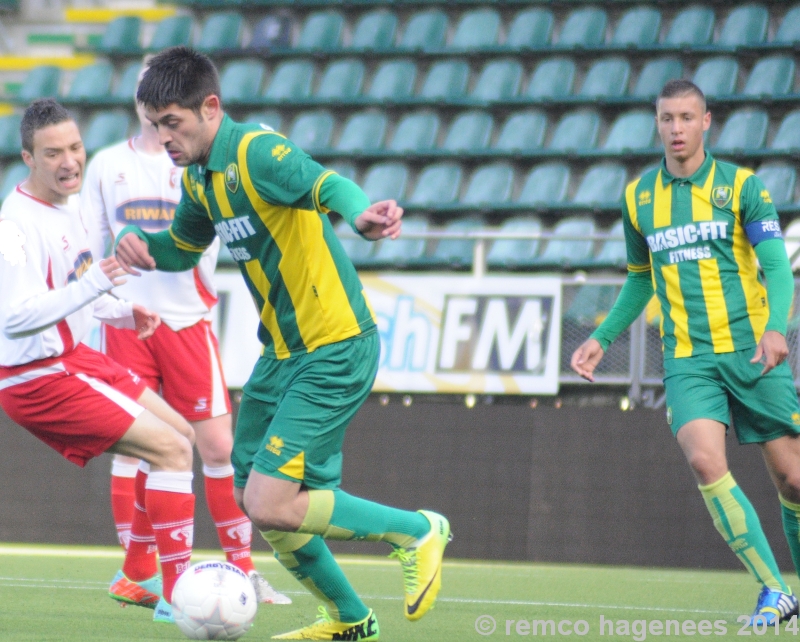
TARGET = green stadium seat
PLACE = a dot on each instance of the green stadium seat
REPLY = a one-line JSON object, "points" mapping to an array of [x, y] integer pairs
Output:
{"points": [[312, 130], [552, 79], [385, 181], [746, 25], [341, 80], [602, 186], [780, 180], [456, 253], [522, 132], [590, 305], [563, 250], [125, 89], [515, 253], [772, 76], [476, 30], [788, 135], [530, 29], [425, 30], [171, 32], [291, 81], [789, 31], [394, 80], [121, 36], [363, 132], [345, 170], [638, 28], [270, 118], [437, 184], [104, 129], [375, 30], [692, 27], [13, 176], [584, 28], [499, 80], [10, 139], [404, 251], [613, 253], [91, 83], [321, 30], [576, 131], [654, 76], [717, 76], [416, 132], [469, 131], [241, 80], [490, 185], [221, 31], [745, 130], [41, 82], [546, 185], [271, 32], [357, 248], [606, 79], [790, 235], [446, 80], [631, 131]]}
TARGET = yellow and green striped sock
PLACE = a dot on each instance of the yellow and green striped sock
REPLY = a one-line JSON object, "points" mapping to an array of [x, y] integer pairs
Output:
{"points": [[790, 515]]}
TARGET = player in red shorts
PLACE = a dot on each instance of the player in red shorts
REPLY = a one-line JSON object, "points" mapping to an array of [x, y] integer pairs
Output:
{"points": [[73, 398], [136, 182]]}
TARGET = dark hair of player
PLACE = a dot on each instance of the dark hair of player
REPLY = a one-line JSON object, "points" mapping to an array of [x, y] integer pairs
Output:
{"points": [[41, 113], [679, 88], [180, 76]]}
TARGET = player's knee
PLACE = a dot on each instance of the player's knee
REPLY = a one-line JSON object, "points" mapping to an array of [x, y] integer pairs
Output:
{"points": [[177, 453], [789, 486], [708, 467], [216, 450], [266, 515]]}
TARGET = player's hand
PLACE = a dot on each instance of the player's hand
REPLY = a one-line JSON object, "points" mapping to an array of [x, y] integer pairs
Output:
{"points": [[132, 252], [145, 321], [113, 271], [771, 350], [586, 357], [380, 220]]}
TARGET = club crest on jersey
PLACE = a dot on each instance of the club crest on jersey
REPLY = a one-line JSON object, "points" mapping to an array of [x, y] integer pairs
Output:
{"points": [[82, 263], [232, 177], [721, 195]]}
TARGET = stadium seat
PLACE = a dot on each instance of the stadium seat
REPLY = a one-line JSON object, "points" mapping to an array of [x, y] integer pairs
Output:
{"points": [[394, 80], [271, 32], [404, 251], [692, 27], [13, 176], [515, 253], [270, 118], [553, 78], [546, 185], [530, 29], [171, 32], [633, 130], [654, 76], [468, 132], [773, 76], [788, 135], [779, 179], [121, 36], [490, 185], [341, 80], [446, 80], [790, 234], [789, 31], [499, 80], [745, 130], [591, 305], [357, 248], [91, 83], [565, 251], [522, 132], [312, 130], [606, 79], [105, 128], [363, 132], [291, 81], [717, 76], [321, 30], [746, 25], [602, 186], [476, 30], [241, 80], [385, 181], [221, 31], [613, 253], [437, 184], [575, 131], [583, 28], [41, 82], [424, 30], [456, 253], [375, 30], [125, 89], [10, 139], [416, 132], [638, 28], [345, 170]]}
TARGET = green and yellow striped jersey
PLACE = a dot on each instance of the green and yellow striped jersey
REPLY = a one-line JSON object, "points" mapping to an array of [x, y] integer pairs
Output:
{"points": [[697, 236], [260, 194]]}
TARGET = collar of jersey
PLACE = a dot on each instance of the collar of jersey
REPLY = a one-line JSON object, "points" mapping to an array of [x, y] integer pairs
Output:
{"points": [[698, 178], [217, 159]]}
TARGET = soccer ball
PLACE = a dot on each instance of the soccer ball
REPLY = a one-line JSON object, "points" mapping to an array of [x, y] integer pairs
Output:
{"points": [[214, 601]]}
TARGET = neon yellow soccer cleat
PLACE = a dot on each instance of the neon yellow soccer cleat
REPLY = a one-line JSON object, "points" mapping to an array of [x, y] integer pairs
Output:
{"points": [[326, 628]]}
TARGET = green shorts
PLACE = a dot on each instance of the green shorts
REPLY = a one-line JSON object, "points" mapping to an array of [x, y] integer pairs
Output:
{"points": [[294, 412], [727, 387]]}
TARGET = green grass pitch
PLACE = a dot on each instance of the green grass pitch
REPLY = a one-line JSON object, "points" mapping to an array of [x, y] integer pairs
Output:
{"points": [[58, 594]]}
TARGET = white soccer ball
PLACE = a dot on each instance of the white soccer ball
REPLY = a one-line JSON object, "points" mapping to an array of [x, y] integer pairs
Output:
{"points": [[214, 601]]}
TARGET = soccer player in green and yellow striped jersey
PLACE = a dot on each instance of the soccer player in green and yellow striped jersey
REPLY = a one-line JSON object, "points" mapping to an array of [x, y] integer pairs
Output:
{"points": [[694, 230], [268, 201]]}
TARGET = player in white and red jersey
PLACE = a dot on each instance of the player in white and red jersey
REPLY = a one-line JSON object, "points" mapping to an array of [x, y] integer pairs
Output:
{"points": [[73, 398], [135, 182]]}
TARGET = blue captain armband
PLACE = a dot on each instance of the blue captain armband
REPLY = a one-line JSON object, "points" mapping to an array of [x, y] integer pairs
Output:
{"points": [[758, 231]]}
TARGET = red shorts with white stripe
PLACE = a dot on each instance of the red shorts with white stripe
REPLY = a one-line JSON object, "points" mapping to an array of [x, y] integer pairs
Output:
{"points": [[183, 366], [79, 404]]}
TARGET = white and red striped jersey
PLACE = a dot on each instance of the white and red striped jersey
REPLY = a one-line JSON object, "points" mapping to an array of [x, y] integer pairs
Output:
{"points": [[49, 287], [125, 186]]}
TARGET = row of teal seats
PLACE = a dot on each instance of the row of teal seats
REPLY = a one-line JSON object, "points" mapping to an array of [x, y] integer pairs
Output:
{"points": [[484, 29]]}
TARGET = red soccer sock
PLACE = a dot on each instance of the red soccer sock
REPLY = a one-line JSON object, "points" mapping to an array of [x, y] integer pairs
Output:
{"points": [[122, 498], [234, 529], [140, 559], [170, 506]]}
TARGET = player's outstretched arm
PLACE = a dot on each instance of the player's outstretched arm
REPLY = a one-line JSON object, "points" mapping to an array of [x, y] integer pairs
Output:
{"points": [[586, 357], [380, 220]]}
